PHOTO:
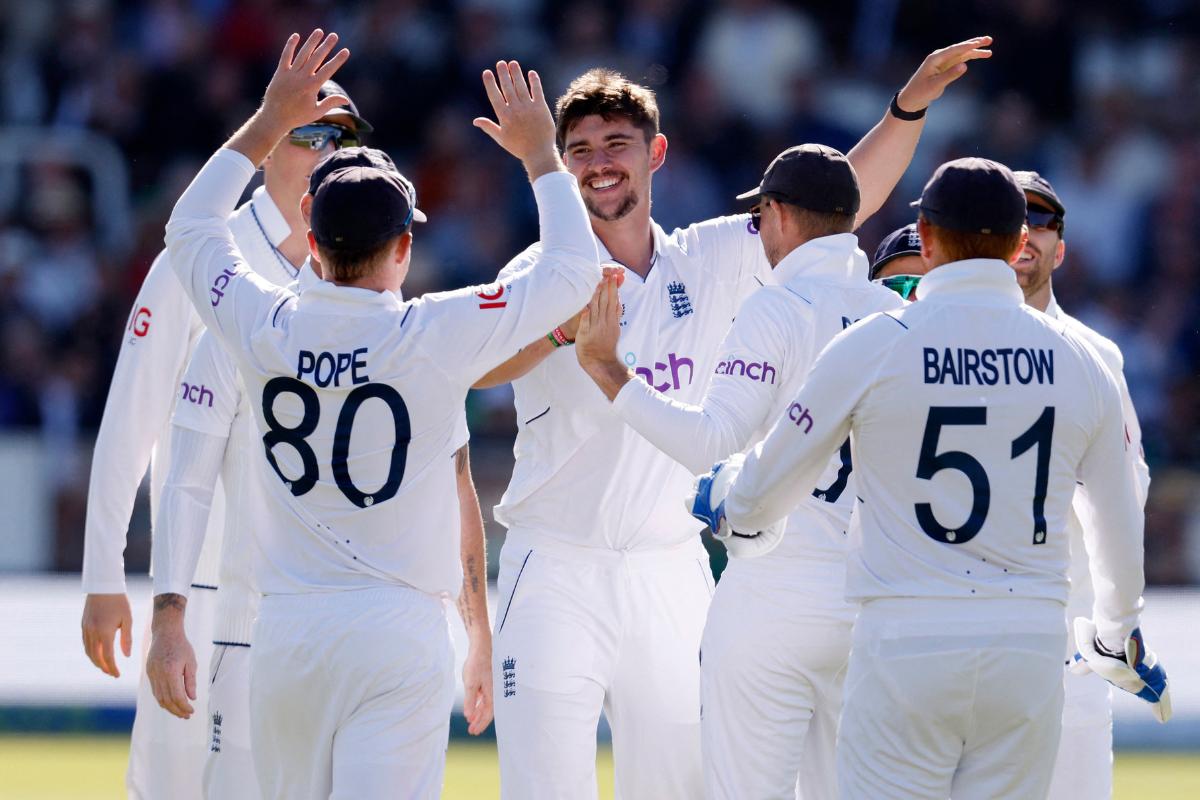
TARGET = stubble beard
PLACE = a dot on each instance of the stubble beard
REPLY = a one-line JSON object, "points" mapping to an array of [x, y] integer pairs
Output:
{"points": [[628, 203]]}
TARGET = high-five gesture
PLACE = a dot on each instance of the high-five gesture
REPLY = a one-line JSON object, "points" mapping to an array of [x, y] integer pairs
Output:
{"points": [[523, 125], [291, 97], [940, 69]]}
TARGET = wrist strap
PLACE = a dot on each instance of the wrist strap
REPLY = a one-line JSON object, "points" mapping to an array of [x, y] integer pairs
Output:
{"points": [[558, 338], [899, 113]]}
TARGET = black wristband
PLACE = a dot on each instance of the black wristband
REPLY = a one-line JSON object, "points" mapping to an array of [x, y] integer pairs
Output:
{"points": [[899, 113]]}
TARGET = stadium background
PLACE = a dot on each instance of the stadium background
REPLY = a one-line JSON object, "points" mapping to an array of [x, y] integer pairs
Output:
{"points": [[108, 108]]}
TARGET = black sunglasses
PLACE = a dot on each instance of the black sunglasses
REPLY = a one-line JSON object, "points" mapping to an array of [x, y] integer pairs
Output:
{"points": [[756, 211], [903, 285], [318, 135], [1043, 218]]}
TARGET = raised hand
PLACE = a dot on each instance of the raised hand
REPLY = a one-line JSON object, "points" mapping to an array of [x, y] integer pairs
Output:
{"points": [[291, 96], [523, 124], [940, 69]]}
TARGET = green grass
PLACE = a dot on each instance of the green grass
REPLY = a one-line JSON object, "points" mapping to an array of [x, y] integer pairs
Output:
{"points": [[93, 768]]}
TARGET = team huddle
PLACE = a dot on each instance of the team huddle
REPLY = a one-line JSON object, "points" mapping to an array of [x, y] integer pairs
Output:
{"points": [[927, 476]]}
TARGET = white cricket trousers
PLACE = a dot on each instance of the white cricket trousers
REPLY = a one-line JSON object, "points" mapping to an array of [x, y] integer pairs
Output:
{"points": [[773, 661], [229, 768], [166, 753], [1084, 765], [583, 629], [952, 697], [350, 695]]}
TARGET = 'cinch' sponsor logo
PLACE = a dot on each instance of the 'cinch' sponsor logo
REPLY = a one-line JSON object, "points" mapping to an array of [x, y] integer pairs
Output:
{"points": [[218, 288], [754, 370], [669, 372], [195, 393], [799, 415]]}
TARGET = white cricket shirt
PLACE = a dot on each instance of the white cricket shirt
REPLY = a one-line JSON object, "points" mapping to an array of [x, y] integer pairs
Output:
{"points": [[821, 288], [146, 385], [357, 394], [1079, 603], [972, 417], [584, 477]]}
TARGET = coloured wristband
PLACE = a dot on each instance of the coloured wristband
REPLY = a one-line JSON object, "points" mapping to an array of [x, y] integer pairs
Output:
{"points": [[558, 338], [899, 113]]}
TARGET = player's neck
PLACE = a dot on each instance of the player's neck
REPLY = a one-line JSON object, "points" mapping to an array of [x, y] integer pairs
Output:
{"points": [[1040, 299], [630, 240], [294, 247]]}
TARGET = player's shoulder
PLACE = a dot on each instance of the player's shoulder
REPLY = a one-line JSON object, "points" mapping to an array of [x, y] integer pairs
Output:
{"points": [[715, 243], [1107, 349]]}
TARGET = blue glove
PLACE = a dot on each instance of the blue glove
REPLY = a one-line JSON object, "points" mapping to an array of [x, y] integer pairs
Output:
{"points": [[707, 504], [1137, 670]]}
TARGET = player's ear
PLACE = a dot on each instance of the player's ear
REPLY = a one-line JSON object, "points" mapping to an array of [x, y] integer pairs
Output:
{"points": [[312, 244], [1060, 252], [306, 208], [658, 151], [403, 247], [926, 241]]}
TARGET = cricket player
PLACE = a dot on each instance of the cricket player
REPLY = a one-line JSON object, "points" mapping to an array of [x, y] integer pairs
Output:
{"points": [[971, 418], [782, 617], [357, 396], [166, 755], [217, 435], [604, 586], [1084, 765], [898, 264]]}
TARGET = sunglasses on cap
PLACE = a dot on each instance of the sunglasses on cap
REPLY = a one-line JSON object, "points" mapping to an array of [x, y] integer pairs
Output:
{"points": [[1043, 218], [903, 285], [318, 135]]}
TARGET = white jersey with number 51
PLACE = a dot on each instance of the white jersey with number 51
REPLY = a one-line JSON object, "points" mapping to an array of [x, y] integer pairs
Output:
{"points": [[357, 394], [972, 418]]}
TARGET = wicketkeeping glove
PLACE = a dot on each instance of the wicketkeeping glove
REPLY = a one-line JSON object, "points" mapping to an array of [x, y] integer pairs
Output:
{"points": [[1137, 670], [707, 504]]}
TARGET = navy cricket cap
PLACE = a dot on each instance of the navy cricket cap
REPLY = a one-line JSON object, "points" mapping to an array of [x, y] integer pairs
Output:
{"points": [[973, 195], [356, 208], [1035, 184], [358, 157], [811, 176], [903, 242], [347, 109]]}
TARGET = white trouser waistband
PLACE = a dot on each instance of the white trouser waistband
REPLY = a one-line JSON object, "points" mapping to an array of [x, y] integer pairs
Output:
{"points": [[527, 539]]}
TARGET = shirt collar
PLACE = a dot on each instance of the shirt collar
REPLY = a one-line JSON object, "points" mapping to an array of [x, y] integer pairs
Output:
{"points": [[987, 279], [834, 257], [269, 216], [659, 238], [348, 299], [1052, 309]]}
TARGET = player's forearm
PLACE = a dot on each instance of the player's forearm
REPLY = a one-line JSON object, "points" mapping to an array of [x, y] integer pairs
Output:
{"points": [[609, 375], [169, 609], [697, 436], [566, 235], [258, 137], [518, 366], [199, 242], [880, 159], [184, 509], [472, 600]]}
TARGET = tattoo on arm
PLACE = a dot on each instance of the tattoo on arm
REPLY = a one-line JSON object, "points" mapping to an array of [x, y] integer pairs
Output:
{"points": [[170, 600], [461, 457]]}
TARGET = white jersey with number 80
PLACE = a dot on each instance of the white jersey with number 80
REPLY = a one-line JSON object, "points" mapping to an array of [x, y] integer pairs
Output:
{"points": [[357, 394]]}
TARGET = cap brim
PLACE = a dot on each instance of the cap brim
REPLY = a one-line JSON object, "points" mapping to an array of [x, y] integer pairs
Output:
{"points": [[753, 194], [1054, 204], [360, 124], [419, 215]]}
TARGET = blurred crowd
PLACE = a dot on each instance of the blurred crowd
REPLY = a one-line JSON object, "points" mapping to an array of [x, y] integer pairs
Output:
{"points": [[108, 108]]}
